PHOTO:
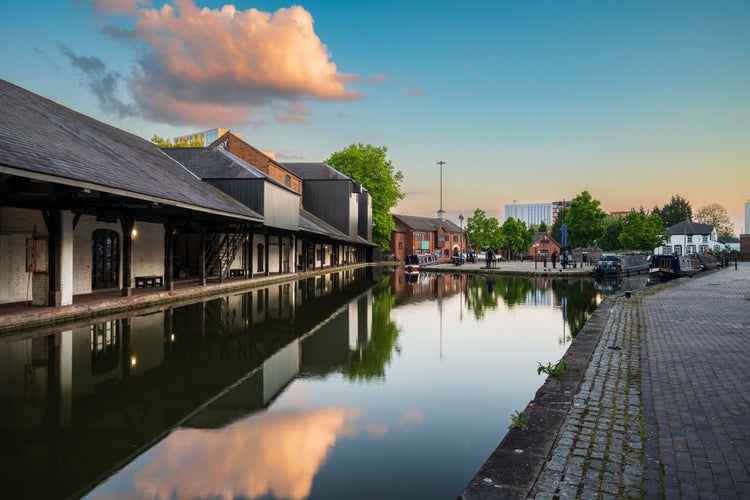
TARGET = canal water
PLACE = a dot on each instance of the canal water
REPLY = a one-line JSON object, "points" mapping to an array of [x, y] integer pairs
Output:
{"points": [[360, 383]]}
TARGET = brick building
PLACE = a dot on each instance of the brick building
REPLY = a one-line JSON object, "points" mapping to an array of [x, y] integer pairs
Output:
{"points": [[420, 235]]}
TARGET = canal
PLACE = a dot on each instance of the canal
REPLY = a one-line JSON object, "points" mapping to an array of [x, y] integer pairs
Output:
{"points": [[365, 383]]}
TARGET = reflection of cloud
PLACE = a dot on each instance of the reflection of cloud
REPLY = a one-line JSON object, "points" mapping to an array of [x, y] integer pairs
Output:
{"points": [[269, 454], [411, 417]]}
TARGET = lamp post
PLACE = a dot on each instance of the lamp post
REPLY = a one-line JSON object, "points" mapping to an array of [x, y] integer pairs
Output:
{"points": [[461, 238], [536, 252], [441, 213]]}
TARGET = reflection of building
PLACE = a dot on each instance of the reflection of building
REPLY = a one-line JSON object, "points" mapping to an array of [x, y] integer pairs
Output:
{"points": [[94, 395], [419, 235]]}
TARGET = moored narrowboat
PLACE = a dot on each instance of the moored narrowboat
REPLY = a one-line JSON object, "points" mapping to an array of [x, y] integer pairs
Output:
{"points": [[622, 264], [674, 266]]}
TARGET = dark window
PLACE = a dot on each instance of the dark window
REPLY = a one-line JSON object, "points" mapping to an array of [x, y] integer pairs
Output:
{"points": [[105, 259]]}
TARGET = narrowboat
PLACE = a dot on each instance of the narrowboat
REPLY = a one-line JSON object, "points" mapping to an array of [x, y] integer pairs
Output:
{"points": [[674, 266], [708, 261], [622, 264], [411, 264]]}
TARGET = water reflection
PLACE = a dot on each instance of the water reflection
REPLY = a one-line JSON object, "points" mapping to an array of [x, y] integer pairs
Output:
{"points": [[284, 392]]}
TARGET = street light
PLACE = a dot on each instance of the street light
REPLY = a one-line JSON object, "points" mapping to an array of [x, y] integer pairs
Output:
{"points": [[536, 252]]}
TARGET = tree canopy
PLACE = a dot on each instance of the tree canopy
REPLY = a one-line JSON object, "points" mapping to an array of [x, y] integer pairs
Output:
{"points": [[585, 220], [369, 166], [641, 231], [610, 241], [716, 215], [514, 236], [482, 231], [677, 210]]}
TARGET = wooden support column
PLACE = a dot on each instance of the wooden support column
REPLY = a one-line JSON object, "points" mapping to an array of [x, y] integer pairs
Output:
{"points": [[53, 220], [281, 256], [266, 256], [127, 252], [202, 257], [168, 256], [250, 242]]}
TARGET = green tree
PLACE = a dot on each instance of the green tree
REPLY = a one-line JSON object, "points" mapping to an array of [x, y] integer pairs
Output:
{"points": [[482, 231], [369, 166], [641, 231], [585, 221], [677, 210], [542, 227], [717, 216], [610, 242], [514, 236]]}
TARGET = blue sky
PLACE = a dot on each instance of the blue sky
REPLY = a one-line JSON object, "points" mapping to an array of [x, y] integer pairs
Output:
{"points": [[531, 101]]}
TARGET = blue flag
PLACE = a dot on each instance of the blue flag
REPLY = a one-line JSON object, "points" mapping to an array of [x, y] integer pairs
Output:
{"points": [[564, 241]]}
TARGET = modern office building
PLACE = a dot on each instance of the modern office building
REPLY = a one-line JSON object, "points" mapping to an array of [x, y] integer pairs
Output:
{"points": [[205, 137], [530, 213]]}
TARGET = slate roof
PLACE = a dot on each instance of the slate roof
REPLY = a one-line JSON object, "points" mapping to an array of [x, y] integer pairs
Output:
{"points": [[211, 163], [42, 139], [690, 227], [427, 223], [315, 171]]}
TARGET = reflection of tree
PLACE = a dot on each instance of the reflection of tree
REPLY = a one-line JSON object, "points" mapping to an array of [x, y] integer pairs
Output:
{"points": [[370, 361], [480, 296], [515, 290], [578, 299]]}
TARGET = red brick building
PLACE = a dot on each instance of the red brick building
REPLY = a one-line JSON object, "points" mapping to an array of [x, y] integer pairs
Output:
{"points": [[419, 235]]}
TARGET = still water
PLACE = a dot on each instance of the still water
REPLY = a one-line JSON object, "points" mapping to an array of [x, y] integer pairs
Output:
{"points": [[357, 383]]}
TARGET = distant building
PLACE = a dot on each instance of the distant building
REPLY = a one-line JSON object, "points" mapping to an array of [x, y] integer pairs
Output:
{"points": [[417, 235], [205, 137], [688, 237], [533, 214]]}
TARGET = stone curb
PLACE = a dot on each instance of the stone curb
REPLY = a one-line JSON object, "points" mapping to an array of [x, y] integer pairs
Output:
{"points": [[513, 468]]}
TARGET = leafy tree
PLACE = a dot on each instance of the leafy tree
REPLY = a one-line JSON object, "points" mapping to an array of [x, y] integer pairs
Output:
{"points": [[677, 210], [514, 236], [610, 242], [369, 166], [542, 227], [482, 231], [585, 221], [717, 216], [641, 231]]}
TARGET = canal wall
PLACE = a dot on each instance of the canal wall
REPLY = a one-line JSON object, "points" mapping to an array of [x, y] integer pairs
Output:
{"points": [[514, 466], [32, 320]]}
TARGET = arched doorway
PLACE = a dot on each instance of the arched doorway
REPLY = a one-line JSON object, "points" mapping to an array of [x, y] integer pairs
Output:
{"points": [[105, 259]]}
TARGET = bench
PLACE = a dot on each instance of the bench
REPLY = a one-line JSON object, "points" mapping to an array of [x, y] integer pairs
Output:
{"points": [[147, 281]]}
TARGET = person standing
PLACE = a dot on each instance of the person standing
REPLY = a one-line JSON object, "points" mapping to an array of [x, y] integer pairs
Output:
{"points": [[554, 259]]}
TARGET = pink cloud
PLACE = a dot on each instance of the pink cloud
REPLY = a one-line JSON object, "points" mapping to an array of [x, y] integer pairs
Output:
{"points": [[226, 65], [109, 7], [272, 453]]}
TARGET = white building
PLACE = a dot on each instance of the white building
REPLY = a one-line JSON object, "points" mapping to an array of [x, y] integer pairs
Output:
{"points": [[689, 237], [535, 213]]}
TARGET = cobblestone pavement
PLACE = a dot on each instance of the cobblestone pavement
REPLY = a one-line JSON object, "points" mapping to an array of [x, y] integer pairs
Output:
{"points": [[664, 407]]}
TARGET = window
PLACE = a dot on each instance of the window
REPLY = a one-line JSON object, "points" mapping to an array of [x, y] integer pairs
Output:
{"points": [[437, 252], [666, 249], [288, 180], [400, 245], [678, 249], [717, 248], [689, 239], [705, 239], [690, 249], [703, 248], [417, 236], [105, 259], [455, 238]]}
